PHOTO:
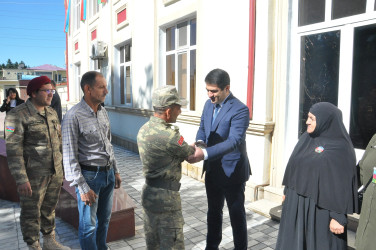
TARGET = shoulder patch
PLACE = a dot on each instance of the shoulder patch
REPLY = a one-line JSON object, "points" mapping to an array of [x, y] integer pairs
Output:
{"points": [[181, 140], [9, 129]]}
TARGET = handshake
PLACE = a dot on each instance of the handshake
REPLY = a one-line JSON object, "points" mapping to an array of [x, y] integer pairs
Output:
{"points": [[198, 155]]}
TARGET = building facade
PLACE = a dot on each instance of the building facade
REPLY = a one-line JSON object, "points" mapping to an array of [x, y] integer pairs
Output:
{"points": [[282, 56]]}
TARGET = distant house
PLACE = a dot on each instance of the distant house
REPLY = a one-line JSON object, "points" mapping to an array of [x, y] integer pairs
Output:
{"points": [[53, 72], [19, 78], [15, 74]]}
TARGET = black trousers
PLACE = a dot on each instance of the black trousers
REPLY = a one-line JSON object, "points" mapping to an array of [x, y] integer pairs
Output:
{"points": [[234, 196]]}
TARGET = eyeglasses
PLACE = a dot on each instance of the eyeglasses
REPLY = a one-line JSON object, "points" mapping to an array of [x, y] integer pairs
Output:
{"points": [[48, 91]]}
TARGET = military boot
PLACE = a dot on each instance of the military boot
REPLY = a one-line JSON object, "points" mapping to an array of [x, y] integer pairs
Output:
{"points": [[49, 243], [34, 246]]}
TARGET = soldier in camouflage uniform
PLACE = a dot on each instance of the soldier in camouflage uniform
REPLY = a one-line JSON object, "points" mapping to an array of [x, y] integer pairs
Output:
{"points": [[33, 145], [162, 150]]}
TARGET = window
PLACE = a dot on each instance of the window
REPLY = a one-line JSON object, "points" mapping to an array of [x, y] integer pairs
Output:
{"points": [[311, 11], [95, 65], [94, 35], [319, 72], [345, 8], [121, 16], [337, 62], [93, 8], [77, 71], [19, 76], [181, 59], [44, 73], [77, 15], [125, 64], [363, 92]]}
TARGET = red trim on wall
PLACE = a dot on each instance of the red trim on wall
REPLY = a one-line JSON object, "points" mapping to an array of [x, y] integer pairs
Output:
{"points": [[76, 46], [67, 63], [251, 55], [122, 16], [94, 35]]}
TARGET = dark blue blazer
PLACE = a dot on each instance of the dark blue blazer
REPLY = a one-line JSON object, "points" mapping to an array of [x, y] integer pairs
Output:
{"points": [[227, 162]]}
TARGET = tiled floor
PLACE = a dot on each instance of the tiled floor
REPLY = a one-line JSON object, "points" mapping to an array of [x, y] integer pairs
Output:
{"points": [[262, 232]]}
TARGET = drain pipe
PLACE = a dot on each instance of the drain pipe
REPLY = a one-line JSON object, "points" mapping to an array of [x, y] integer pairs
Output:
{"points": [[255, 194]]}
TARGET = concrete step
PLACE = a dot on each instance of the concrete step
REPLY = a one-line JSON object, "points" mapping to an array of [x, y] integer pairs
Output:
{"points": [[273, 210]]}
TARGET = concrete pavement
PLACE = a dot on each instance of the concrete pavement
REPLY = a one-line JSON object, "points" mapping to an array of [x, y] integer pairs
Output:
{"points": [[262, 232]]}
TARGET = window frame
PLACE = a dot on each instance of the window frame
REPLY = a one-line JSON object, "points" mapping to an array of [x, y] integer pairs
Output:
{"points": [[117, 87], [94, 8], [346, 26], [76, 46], [177, 51], [328, 21], [77, 15], [124, 23], [77, 73]]}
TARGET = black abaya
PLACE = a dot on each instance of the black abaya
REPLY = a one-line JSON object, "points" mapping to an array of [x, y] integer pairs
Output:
{"points": [[320, 181], [305, 226]]}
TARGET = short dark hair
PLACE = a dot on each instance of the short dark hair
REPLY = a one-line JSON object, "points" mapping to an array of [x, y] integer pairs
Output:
{"points": [[218, 77], [53, 83], [161, 110], [89, 79]]}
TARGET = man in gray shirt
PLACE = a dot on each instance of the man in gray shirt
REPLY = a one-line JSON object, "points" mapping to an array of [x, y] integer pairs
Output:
{"points": [[89, 161]]}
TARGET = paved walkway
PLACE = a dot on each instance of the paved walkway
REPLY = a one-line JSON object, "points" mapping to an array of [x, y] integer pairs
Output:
{"points": [[262, 232]]}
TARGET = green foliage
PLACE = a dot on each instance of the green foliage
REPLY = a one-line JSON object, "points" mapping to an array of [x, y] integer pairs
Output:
{"points": [[11, 65]]}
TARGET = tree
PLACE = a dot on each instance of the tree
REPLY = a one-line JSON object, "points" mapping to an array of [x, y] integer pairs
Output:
{"points": [[23, 65], [9, 64]]}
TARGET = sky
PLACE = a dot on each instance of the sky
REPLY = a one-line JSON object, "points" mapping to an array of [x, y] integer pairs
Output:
{"points": [[32, 31]]}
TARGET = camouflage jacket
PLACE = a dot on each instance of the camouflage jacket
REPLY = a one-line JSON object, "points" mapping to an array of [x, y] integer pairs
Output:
{"points": [[33, 142], [162, 150]]}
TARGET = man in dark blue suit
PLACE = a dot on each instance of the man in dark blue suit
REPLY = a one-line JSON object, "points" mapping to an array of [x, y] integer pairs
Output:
{"points": [[221, 143]]}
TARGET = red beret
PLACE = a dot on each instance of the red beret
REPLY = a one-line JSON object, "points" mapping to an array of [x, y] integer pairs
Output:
{"points": [[36, 84]]}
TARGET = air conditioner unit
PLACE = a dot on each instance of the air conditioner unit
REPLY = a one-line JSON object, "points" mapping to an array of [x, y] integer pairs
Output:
{"points": [[98, 50]]}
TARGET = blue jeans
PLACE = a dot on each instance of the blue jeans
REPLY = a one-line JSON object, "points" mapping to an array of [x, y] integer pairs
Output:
{"points": [[94, 219]]}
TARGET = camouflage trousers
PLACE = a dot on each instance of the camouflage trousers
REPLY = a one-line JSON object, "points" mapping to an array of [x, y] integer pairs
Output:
{"points": [[164, 230], [38, 211]]}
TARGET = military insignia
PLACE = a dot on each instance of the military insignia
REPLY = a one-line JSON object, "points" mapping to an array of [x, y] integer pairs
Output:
{"points": [[181, 140], [319, 149], [9, 129]]}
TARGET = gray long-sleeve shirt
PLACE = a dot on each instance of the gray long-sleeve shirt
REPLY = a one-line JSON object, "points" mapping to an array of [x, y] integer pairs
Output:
{"points": [[87, 141]]}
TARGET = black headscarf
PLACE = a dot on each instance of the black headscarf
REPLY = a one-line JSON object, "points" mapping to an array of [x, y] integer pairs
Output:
{"points": [[322, 165]]}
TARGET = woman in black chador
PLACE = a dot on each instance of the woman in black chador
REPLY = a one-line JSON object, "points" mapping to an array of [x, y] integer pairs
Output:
{"points": [[320, 185]]}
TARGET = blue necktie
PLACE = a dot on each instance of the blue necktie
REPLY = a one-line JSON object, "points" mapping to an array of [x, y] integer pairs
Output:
{"points": [[216, 111]]}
